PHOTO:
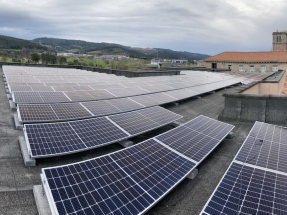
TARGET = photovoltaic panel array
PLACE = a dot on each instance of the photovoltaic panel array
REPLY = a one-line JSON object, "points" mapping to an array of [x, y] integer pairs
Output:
{"points": [[256, 180], [266, 146], [39, 97], [51, 139], [125, 182], [196, 138], [67, 96], [29, 113], [51, 112], [129, 181], [58, 85]]}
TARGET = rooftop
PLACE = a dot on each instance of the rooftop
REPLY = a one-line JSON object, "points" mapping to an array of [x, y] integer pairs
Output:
{"points": [[249, 57], [189, 197]]}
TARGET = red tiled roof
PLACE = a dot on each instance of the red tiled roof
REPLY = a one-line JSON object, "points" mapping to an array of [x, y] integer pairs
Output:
{"points": [[249, 57]]}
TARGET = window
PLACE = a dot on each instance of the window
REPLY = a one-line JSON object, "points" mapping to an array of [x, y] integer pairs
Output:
{"points": [[252, 69], [241, 68], [275, 68], [263, 68], [230, 67]]}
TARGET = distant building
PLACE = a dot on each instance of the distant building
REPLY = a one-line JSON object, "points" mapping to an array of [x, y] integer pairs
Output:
{"points": [[155, 61], [168, 62], [65, 54], [73, 55], [279, 42], [178, 61], [248, 61], [111, 57]]}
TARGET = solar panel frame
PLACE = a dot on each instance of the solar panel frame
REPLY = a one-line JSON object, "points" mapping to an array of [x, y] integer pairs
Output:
{"points": [[36, 113], [159, 139], [42, 137], [49, 192], [127, 121], [22, 97], [136, 157], [264, 149], [254, 130], [70, 111], [252, 194], [125, 104]]}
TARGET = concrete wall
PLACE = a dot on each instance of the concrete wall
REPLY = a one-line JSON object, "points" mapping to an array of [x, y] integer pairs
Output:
{"points": [[235, 66], [117, 72], [251, 108], [267, 88]]}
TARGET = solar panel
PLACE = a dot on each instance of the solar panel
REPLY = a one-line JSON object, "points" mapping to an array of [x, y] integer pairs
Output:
{"points": [[159, 115], [100, 94], [53, 97], [125, 104], [14, 88], [100, 108], [255, 182], [125, 182], [36, 112], [196, 138], [26, 97], [157, 88], [51, 139], [125, 92], [248, 190], [67, 111], [42, 88], [135, 122], [74, 136], [81, 88], [63, 88], [99, 131], [266, 146], [106, 86], [129, 181], [79, 96], [152, 99]]}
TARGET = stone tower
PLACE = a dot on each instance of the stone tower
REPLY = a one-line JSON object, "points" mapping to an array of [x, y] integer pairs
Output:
{"points": [[279, 41]]}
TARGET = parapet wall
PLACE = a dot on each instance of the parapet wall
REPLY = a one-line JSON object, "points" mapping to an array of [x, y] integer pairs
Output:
{"points": [[250, 108], [126, 73]]}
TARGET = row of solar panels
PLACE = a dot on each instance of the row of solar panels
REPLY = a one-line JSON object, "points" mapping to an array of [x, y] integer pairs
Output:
{"points": [[150, 86], [31, 113], [16, 83], [53, 139], [256, 180], [132, 180], [93, 79], [54, 97]]}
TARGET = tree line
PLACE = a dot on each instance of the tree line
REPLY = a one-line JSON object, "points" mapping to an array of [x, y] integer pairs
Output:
{"points": [[47, 58]]}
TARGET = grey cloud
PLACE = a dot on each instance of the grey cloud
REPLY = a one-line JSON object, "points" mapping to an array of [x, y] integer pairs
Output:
{"points": [[205, 26]]}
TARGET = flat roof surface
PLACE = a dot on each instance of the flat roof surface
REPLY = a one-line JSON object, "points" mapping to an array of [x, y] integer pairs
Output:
{"points": [[189, 197]]}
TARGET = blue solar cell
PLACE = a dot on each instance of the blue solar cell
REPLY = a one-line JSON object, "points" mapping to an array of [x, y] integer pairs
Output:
{"points": [[119, 182], [197, 138], [97, 131], [247, 190], [265, 147], [48, 139], [150, 169]]}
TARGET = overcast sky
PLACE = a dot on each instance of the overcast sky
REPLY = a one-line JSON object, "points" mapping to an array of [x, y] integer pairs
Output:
{"points": [[200, 26]]}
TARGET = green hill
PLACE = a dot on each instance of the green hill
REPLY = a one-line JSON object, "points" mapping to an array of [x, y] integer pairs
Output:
{"points": [[19, 44], [65, 45]]}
